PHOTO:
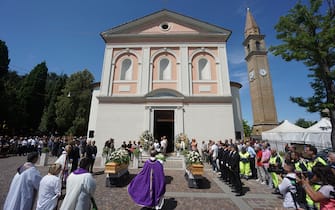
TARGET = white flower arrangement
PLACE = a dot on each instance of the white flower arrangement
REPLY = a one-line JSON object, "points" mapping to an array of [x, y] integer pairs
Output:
{"points": [[161, 157], [119, 156], [181, 142], [193, 157], [147, 140]]}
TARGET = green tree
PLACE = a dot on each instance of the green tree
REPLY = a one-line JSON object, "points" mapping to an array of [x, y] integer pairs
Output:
{"points": [[247, 129], [10, 83], [73, 106], [31, 97], [308, 32], [4, 60], [304, 123], [54, 86]]}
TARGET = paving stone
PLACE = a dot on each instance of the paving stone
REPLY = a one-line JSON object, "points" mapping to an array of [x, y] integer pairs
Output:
{"points": [[213, 194]]}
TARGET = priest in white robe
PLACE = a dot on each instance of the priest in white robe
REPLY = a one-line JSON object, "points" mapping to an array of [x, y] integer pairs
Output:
{"points": [[64, 161], [80, 188], [50, 188], [24, 186]]}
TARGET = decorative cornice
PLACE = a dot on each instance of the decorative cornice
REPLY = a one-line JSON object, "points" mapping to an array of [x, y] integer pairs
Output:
{"points": [[143, 100], [257, 37], [259, 52]]}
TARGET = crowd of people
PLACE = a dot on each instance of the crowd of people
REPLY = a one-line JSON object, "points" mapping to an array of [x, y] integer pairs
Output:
{"points": [[302, 178], [71, 171]]}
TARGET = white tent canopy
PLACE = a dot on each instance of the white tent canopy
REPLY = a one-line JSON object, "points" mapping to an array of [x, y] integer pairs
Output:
{"points": [[286, 132], [319, 134]]}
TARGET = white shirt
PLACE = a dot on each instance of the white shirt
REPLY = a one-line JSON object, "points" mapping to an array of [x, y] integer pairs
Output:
{"points": [[50, 190], [284, 188], [215, 150]]}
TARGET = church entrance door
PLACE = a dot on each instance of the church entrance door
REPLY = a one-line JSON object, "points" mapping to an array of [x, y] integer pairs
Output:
{"points": [[164, 126]]}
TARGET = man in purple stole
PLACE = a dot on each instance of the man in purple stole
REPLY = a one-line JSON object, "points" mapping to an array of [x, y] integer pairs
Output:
{"points": [[148, 187]]}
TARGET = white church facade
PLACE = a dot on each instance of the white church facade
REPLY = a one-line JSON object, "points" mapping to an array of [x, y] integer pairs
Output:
{"points": [[166, 73]]}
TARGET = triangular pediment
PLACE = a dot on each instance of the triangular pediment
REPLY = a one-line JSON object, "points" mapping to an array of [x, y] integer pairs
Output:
{"points": [[168, 24]]}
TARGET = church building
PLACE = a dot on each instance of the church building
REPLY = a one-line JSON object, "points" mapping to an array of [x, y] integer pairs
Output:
{"points": [[166, 73]]}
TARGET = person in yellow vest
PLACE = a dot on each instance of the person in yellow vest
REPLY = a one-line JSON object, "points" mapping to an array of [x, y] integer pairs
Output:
{"points": [[314, 160], [275, 168], [300, 164], [245, 170]]}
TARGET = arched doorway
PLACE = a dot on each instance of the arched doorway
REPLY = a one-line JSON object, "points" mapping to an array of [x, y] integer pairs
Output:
{"points": [[164, 126]]}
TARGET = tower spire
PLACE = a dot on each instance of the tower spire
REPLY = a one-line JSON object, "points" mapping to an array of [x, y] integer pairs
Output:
{"points": [[251, 26]]}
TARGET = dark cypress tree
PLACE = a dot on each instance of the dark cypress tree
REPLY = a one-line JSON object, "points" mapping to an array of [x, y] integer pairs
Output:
{"points": [[31, 97]]}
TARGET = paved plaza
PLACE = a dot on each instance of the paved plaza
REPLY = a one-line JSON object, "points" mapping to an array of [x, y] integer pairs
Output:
{"points": [[213, 195]]}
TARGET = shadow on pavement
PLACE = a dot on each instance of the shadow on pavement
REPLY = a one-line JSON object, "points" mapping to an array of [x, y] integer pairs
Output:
{"points": [[169, 204], [168, 179]]}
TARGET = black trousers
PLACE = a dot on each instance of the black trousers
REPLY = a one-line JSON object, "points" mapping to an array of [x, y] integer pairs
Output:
{"points": [[237, 180]]}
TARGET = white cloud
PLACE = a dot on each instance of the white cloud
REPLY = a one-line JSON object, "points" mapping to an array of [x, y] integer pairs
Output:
{"points": [[236, 57], [240, 76]]}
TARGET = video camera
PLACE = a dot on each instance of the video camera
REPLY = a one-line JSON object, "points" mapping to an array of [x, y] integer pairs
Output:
{"points": [[306, 174]]}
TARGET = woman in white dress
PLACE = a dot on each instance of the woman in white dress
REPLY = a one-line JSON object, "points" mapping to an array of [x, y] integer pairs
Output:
{"points": [[50, 188]]}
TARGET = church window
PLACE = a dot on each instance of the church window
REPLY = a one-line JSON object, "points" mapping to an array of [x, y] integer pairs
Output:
{"points": [[164, 69], [204, 69], [126, 70], [165, 26]]}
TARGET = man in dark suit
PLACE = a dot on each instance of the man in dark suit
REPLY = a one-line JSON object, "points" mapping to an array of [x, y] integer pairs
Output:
{"points": [[75, 155], [235, 169]]}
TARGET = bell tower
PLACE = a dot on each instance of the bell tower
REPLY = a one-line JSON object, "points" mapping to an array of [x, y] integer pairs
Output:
{"points": [[262, 98]]}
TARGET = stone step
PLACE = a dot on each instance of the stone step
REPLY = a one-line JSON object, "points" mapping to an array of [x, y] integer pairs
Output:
{"points": [[174, 162]]}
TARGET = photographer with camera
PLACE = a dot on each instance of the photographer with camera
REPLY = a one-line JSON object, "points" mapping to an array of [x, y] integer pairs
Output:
{"points": [[300, 164], [326, 194], [313, 160], [290, 189]]}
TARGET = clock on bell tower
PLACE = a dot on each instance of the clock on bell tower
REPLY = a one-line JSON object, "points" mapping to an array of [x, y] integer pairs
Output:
{"points": [[262, 98]]}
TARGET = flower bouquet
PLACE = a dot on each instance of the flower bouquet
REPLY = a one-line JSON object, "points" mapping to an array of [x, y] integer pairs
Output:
{"points": [[194, 163], [120, 156], [181, 142], [147, 140], [193, 157], [117, 161], [161, 158]]}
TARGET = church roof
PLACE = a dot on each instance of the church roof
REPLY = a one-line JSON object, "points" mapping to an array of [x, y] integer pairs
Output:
{"points": [[183, 26]]}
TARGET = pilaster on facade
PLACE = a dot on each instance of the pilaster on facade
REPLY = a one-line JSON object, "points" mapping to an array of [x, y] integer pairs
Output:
{"points": [[190, 81], [179, 120], [111, 81], [145, 69], [184, 71], [224, 79], [106, 77], [150, 77]]}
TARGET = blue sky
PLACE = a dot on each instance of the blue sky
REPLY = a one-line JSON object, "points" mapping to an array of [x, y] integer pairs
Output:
{"points": [[66, 34]]}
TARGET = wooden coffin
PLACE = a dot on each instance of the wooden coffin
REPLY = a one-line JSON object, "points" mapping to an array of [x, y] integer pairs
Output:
{"points": [[196, 169], [114, 168]]}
